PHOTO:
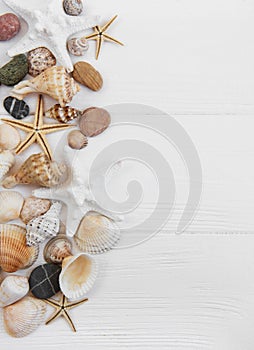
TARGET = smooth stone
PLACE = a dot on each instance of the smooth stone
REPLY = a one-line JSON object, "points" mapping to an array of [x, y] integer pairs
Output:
{"points": [[18, 109], [94, 121], [44, 281], [9, 26], [14, 71], [73, 7]]}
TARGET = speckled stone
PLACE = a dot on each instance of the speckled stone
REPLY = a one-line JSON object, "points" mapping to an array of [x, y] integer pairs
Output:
{"points": [[14, 71], [18, 109], [44, 281], [9, 26], [73, 7]]}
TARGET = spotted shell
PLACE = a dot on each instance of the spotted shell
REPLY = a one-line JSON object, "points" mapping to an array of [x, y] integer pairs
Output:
{"points": [[63, 114], [34, 207], [57, 249], [12, 289], [9, 137], [73, 7], [39, 60], [11, 203], [7, 160], [78, 46]]}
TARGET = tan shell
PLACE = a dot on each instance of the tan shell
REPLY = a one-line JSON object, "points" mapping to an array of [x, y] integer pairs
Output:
{"points": [[9, 137], [78, 46], [87, 75], [39, 60], [77, 140], [63, 114], [94, 121], [55, 82], [34, 207], [14, 253], [7, 160], [11, 203], [57, 249], [12, 289], [24, 317], [37, 170]]}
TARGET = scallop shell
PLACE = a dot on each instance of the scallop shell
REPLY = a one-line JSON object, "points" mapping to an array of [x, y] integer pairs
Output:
{"points": [[7, 160], [97, 234], [77, 140], [78, 275], [38, 170], [34, 207], [63, 114], [57, 249], [78, 46], [9, 137], [12, 289], [14, 253], [39, 60], [54, 82], [10, 205], [24, 317], [45, 226]]}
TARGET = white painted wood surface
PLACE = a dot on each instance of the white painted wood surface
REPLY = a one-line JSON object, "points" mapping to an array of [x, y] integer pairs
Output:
{"points": [[193, 60]]}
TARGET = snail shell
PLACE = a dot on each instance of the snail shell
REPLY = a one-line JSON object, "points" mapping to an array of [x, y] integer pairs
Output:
{"points": [[78, 46], [77, 140], [57, 249], [63, 114]]}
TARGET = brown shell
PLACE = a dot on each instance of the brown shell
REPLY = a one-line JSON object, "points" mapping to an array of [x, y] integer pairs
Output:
{"points": [[87, 75], [39, 60], [77, 140], [57, 249], [94, 121], [63, 114], [34, 207]]}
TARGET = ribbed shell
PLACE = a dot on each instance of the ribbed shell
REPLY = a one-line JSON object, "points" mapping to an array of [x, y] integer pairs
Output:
{"points": [[11, 203], [34, 207], [77, 46], [63, 114], [9, 137], [12, 289], [7, 160]]}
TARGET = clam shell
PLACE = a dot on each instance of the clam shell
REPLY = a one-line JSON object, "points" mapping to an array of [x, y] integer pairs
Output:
{"points": [[97, 234], [10, 205], [39, 60], [38, 170], [63, 114], [34, 207], [12, 289], [57, 249], [78, 46], [77, 140], [14, 253], [9, 137], [54, 82], [94, 121], [45, 226], [7, 160], [24, 317], [78, 275], [73, 7]]}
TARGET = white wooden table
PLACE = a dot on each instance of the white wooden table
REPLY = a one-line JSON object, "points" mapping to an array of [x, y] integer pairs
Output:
{"points": [[193, 60]]}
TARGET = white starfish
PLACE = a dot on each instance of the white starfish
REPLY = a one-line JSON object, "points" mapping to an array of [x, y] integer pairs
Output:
{"points": [[49, 28], [76, 193]]}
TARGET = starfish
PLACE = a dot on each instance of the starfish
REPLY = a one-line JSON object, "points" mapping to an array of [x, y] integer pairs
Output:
{"points": [[100, 34], [36, 130], [50, 28], [62, 306], [76, 194]]}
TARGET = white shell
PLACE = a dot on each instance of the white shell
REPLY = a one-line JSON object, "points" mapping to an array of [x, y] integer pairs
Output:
{"points": [[97, 234], [44, 226], [10, 205], [78, 46], [7, 160], [24, 317], [9, 137], [78, 275], [12, 289]]}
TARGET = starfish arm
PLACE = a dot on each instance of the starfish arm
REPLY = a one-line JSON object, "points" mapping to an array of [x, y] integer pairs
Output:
{"points": [[98, 48], [92, 36], [41, 140], [49, 128], [108, 24], [110, 38], [77, 24], [28, 127], [55, 315], [60, 51], [69, 320], [31, 138], [74, 215], [52, 302], [24, 45], [38, 117], [46, 193], [18, 8], [72, 305]]}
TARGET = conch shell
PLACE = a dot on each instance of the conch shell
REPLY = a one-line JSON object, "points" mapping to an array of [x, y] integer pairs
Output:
{"points": [[12, 289], [7, 160], [54, 81], [37, 170]]}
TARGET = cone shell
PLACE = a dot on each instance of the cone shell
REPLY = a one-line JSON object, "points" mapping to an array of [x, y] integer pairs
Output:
{"points": [[55, 82], [12, 289], [9, 137], [63, 114], [24, 317], [7, 160], [37, 170], [97, 234], [34, 207], [78, 275], [57, 249], [10, 205], [14, 253]]}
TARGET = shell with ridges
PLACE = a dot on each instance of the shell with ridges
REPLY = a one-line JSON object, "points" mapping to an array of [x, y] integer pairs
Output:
{"points": [[78, 275], [14, 253], [11, 203], [9, 137], [57, 249], [54, 82], [78, 46], [34, 207], [77, 140], [12, 289], [24, 317], [63, 114], [7, 161]]}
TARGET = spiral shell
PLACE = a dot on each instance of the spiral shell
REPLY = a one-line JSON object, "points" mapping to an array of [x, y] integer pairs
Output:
{"points": [[9, 137], [77, 140], [78, 46], [12, 289], [39, 60], [34, 207], [10, 205], [57, 249], [7, 160], [63, 114]]}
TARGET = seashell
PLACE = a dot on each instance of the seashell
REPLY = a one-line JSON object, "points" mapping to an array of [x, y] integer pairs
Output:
{"points": [[34, 207], [9, 26], [73, 7], [44, 281], [24, 317], [9, 137], [54, 82], [57, 249], [10, 205], [45, 226], [94, 121], [7, 160], [78, 46], [18, 109], [39, 60], [77, 140], [97, 234], [63, 114], [12, 289], [14, 253], [78, 275], [14, 71], [85, 74], [37, 170]]}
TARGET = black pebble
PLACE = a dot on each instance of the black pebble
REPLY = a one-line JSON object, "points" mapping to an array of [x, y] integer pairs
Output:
{"points": [[17, 108], [44, 281]]}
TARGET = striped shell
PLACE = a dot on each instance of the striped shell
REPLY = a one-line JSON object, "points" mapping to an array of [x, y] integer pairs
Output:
{"points": [[12, 289], [11, 203], [7, 160], [63, 114], [57, 249], [34, 207]]}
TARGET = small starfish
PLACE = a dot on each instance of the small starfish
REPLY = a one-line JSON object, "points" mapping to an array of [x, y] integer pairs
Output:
{"points": [[36, 130], [62, 306], [100, 34]]}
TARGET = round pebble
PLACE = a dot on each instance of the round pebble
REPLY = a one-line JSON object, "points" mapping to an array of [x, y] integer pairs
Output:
{"points": [[73, 7], [9, 26], [39, 60], [94, 121], [18, 109], [44, 281], [14, 71]]}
